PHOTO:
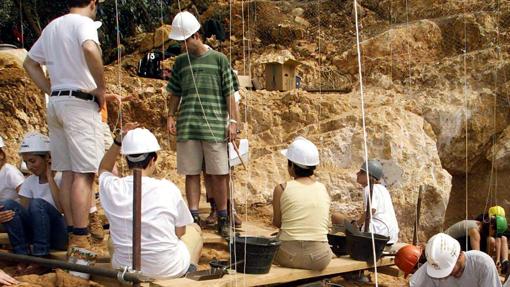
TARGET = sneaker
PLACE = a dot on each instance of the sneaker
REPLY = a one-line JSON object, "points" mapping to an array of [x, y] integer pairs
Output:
{"points": [[223, 227], [96, 226]]}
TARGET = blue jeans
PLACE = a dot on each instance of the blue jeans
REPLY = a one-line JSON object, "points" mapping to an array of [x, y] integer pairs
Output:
{"points": [[48, 227], [42, 225], [18, 228]]}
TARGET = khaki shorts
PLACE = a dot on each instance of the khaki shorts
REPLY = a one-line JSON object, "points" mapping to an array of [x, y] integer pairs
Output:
{"points": [[107, 134], [192, 154], [76, 134], [193, 241], [310, 255]]}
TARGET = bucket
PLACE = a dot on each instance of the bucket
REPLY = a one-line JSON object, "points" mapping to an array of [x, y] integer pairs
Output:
{"points": [[338, 244], [83, 257], [359, 245], [260, 252]]}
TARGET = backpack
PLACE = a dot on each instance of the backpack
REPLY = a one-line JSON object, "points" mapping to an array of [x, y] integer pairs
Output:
{"points": [[150, 65]]}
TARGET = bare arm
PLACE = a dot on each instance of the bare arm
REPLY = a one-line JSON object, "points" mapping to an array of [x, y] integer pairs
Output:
{"points": [[277, 214], [36, 72], [180, 231], [108, 161], [95, 64], [173, 107]]}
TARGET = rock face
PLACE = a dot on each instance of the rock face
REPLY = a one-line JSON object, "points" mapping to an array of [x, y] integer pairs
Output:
{"points": [[22, 105]]}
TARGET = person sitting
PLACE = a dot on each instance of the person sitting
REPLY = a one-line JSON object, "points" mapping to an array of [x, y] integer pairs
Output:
{"points": [[383, 220], [301, 211], [38, 219], [10, 179], [169, 239], [447, 265]]}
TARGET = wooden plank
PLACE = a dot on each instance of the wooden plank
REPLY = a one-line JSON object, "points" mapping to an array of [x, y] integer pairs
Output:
{"points": [[391, 270], [248, 229], [277, 274]]}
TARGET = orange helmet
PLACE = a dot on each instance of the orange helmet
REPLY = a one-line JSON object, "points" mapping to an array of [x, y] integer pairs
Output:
{"points": [[407, 258]]}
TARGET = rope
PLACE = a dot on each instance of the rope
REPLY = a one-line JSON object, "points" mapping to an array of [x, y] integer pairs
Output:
{"points": [[119, 114], [21, 24], [466, 122], [365, 144]]}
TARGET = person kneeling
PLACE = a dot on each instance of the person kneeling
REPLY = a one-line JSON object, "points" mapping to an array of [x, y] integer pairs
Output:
{"points": [[38, 220], [301, 211], [171, 243]]}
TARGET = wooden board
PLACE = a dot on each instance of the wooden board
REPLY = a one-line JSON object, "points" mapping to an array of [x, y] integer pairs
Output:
{"points": [[248, 229], [277, 274]]}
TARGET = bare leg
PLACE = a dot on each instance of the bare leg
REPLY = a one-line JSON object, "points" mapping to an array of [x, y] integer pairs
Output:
{"points": [[491, 245], [80, 198], [498, 251], [474, 238], [65, 196], [504, 249], [220, 190], [193, 191]]}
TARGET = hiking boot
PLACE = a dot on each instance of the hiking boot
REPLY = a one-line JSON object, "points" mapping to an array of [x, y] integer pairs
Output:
{"points": [[197, 219], [223, 227], [80, 241], [96, 226], [211, 219]]}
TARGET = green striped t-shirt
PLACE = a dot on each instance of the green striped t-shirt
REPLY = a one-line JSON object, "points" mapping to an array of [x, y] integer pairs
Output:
{"points": [[214, 83]]}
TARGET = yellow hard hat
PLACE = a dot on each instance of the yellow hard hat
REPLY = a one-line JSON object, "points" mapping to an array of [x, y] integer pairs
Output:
{"points": [[496, 211]]}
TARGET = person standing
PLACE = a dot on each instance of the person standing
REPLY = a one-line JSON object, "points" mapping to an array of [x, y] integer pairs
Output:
{"points": [[202, 114], [69, 47]]}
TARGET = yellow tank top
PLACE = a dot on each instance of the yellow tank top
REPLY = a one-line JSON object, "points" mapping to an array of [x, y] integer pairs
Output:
{"points": [[305, 212]]}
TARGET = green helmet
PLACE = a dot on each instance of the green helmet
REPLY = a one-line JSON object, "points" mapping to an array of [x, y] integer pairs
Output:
{"points": [[374, 168], [501, 224]]}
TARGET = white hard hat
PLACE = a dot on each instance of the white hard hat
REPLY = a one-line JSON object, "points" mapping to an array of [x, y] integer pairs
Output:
{"points": [[184, 26], [302, 152], [139, 141], [442, 252], [1, 143], [35, 142]]}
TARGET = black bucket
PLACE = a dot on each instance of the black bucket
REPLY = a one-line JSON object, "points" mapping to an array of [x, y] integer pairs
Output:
{"points": [[359, 245], [338, 244], [260, 252]]}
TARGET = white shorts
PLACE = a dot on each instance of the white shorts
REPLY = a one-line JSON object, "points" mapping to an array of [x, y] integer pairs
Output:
{"points": [[107, 134], [76, 134]]}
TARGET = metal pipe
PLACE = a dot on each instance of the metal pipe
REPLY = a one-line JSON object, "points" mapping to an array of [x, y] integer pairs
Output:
{"points": [[137, 220], [131, 277]]}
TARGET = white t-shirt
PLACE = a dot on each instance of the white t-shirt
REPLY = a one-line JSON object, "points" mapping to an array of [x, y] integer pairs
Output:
{"points": [[384, 221], [163, 253], [480, 271], [10, 179], [31, 188], [60, 48]]}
